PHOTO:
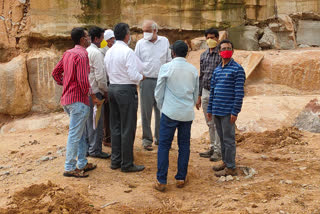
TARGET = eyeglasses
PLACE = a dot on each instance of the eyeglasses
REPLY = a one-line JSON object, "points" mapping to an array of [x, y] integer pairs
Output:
{"points": [[226, 49]]}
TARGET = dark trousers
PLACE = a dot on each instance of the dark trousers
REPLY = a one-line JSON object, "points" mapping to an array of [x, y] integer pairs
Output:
{"points": [[123, 102], [106, 122], [94, 136], [167, 130], [226, 132]]}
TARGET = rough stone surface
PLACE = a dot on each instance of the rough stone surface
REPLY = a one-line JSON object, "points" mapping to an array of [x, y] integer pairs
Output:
{"points": [[279, 34], [268, 39], [309, 118], [45, 92], [245, 37], [308, 32], [288, 67], [15, 93]]}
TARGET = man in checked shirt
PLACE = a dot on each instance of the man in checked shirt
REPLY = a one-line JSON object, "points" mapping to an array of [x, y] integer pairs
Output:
{"points": [[209, 60], [72, 72]]}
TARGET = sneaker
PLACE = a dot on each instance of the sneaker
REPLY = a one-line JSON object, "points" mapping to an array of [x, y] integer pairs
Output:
{"points": [[160, 187], [219, 167], [206, 154], [226, 172], [215, 157]]}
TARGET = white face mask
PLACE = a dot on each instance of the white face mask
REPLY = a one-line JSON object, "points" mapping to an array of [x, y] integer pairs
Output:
{"points": [[147, 36]]}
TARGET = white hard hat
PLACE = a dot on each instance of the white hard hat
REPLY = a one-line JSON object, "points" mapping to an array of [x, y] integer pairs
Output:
{"points": [[108, 34]]}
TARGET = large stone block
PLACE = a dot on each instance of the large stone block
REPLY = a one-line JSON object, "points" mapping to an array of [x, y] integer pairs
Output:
{"points": [[245, 37], [308, 32], [15, 93], [45, 92]]}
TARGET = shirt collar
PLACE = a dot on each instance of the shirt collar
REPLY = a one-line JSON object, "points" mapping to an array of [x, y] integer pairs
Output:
{"points": [[180, 59], [229, 63], [94, 46], [120, 42], [80, 47], [215, 50]]}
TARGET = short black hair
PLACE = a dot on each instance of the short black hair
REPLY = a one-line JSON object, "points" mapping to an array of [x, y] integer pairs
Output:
{"points": [[121, 30], [180, 48], [77, 33], [225, 41], [212, 31], [95, 32]]}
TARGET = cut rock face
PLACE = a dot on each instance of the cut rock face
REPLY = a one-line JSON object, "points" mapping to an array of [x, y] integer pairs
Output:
{"points": [[309, 118], [15, 93]]}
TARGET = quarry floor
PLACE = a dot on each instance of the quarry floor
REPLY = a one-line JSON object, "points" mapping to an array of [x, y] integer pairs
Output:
{"points": [[287, 179]]}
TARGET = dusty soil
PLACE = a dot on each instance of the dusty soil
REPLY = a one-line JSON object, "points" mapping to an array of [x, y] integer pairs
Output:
{"points": [[286, 160]]}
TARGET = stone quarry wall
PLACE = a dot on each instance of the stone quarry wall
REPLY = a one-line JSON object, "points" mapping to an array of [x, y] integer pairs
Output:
{"points": [[35, 33]]}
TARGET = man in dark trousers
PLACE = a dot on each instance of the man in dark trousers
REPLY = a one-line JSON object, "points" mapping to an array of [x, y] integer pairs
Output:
{"points": [[124, 69], [225, 102]]}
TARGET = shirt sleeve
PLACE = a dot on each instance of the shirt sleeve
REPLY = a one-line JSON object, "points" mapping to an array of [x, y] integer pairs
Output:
{"points": [[169, 58], [240, 78], [201, 76], [196, 91], [83, 69], [57, 72], [161, 85], [135, 67], [212, 86], [137, 50], [100, 72]]}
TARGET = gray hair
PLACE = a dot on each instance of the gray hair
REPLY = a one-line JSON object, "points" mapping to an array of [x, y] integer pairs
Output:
{"points": [[154, 26]]}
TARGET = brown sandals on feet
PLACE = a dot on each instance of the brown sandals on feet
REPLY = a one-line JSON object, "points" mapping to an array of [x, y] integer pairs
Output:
{"points": [[77, 173]]}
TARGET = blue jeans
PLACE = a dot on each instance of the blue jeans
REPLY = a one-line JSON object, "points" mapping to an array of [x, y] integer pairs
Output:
{"points": [[76, 144], [167, 130]]}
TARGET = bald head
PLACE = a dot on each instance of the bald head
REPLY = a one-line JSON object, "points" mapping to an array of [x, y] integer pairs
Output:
{"points": [[149, 26]]}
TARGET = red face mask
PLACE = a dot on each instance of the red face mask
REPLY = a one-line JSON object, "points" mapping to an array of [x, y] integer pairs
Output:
{"points": [[226, 54]]}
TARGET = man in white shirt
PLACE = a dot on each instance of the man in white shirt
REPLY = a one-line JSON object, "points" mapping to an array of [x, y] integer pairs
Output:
{"points": [[153, 50], [125, 71], [176, 94], [98, 82], [109, 39]]}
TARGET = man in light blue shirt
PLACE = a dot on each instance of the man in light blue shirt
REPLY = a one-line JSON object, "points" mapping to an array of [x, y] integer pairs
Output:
{"points": [[176, 94]]}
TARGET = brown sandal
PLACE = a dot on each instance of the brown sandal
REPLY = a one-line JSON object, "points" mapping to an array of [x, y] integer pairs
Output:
{"points": [[77, 173], [89, 167]]}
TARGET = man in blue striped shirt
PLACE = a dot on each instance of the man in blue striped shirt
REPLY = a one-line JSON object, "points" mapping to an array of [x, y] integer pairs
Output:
{"points": [[225, 102]]}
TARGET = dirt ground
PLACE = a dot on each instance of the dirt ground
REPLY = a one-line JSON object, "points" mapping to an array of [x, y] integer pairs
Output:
{"points": [[287, 162]]}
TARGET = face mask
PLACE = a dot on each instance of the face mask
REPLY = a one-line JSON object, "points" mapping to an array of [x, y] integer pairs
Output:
{"points": [[226, 54], [211, 43], [147, 36]]}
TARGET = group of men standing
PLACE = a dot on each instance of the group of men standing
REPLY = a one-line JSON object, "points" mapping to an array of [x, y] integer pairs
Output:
{"points": [[106, 78]]}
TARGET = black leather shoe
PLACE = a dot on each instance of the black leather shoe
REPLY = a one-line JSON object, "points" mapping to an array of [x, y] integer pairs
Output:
{"points": [[114, 167], [102, 155], [134, 168]]}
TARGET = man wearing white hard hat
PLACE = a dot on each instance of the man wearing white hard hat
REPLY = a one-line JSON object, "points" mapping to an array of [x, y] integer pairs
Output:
{"points": [[108, 41], [106, 44]]}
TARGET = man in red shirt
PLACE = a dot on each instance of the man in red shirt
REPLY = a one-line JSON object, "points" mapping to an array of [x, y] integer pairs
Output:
{"points": [[72, 73]]}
